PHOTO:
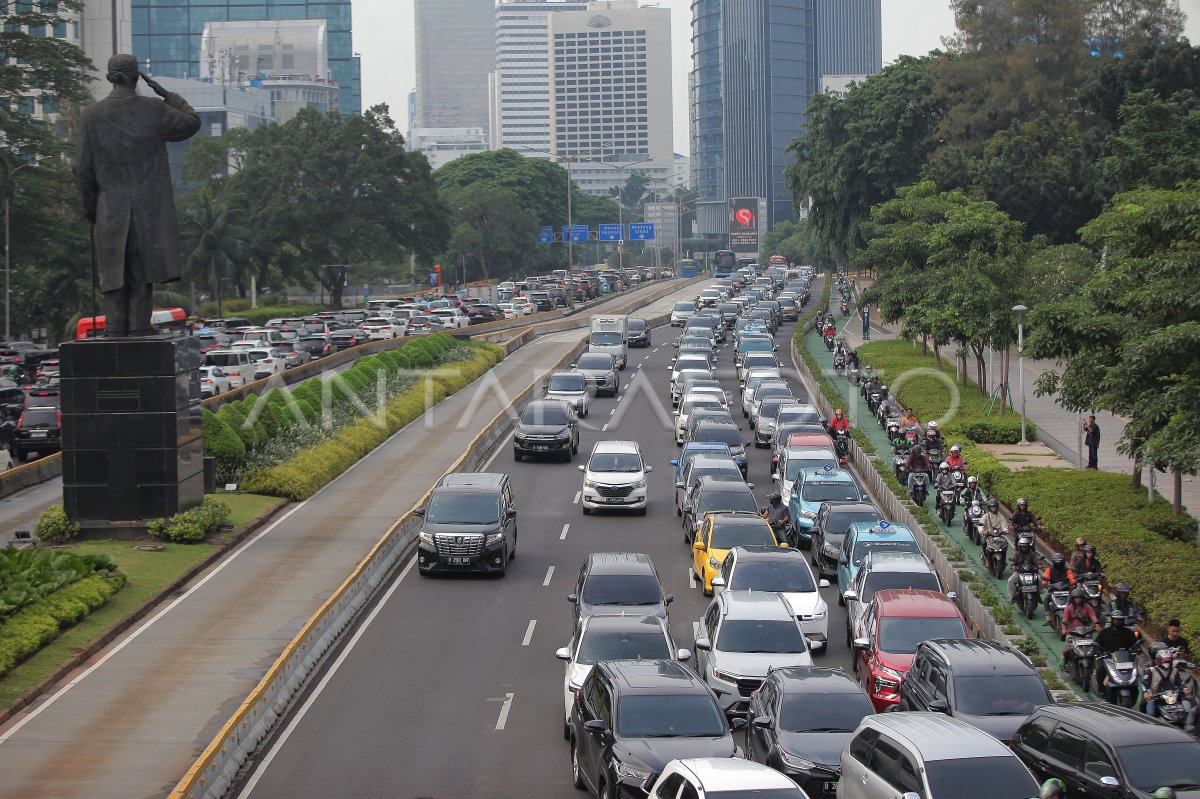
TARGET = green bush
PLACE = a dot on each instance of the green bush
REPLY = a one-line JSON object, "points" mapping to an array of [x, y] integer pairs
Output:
{"points": [[53, 526], [236, 421], [990, 429], [32, 627], [193, 525], [222, 442], [1104, 509], [418, 357]]}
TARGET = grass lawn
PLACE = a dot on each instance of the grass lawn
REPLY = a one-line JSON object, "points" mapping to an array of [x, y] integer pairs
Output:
{"points": [[148, 573]]}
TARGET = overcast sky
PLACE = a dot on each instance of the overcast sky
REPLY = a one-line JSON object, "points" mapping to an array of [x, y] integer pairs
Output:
{"points": [[383, 35]]}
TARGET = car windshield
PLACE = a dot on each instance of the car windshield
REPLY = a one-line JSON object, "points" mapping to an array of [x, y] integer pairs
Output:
{"points": [[760, 636], [707, 401], [729, 472], [1171, 765], [787, 574], [635, 325], [567, 383], [900, 635], [727, 500], [615, 462], [595, 361], [882, 581], [685, 306], [669, 716], [861, 548], [838, 522], [39, 416], [792, 416], [818, 712], [612, 645], [760, 359], [691, 362], [796, 465], [449, 508], [725, 435], [755, 344], [1015, 695], [828, 491], [989, 777], [607, 338], [550, 413], [768, 408], [622, 589], [727, 534]]}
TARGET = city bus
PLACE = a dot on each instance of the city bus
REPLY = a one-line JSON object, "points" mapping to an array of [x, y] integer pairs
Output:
{"points": [[163, 320], [723, 263], [688, 268]]}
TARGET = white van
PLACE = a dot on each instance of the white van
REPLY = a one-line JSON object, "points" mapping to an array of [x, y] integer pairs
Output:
{"points": [[615, 478], [236, 364], [609, 335]]}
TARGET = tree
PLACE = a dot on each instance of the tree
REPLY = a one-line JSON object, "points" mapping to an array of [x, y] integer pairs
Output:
{"points": [[796, 241], [630, 195], [859, 149], [1158, 143], [215, 246], [490, 228], [1130, 337], [1167, 68], [1119, 25]]}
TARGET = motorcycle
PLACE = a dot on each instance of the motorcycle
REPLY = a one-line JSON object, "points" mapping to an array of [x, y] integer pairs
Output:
{"points": [[892, 425], [1058, 596], [935, 455], [853, 374], [1175, 701], [1121, 678], [959, 474], [900, 464], [829, 339], [995, 549], [920, 491], [839, 363], [1029, 587], [971, 517], [845, 308], [1082, 651], [1092, 584], [947, 499]]}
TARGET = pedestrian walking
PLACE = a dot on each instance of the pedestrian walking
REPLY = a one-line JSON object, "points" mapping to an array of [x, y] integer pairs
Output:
{"points": [[1091, 437]]}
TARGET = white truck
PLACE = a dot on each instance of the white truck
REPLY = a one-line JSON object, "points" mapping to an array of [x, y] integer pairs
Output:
{"points": [[609, 335]]}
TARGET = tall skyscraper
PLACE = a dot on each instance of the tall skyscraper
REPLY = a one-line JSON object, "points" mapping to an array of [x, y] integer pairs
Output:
{"points": [[519, 86], [757, 64], [610, 74], [456, 51], [167, 33]]}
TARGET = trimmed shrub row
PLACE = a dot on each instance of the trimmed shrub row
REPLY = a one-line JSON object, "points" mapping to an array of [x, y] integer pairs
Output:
{"points": [[31, 628], [303, 474], [30, 575], [193, 525]]}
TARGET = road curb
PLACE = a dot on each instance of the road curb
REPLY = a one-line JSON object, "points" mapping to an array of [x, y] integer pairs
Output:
{"points": [[137, 614]]}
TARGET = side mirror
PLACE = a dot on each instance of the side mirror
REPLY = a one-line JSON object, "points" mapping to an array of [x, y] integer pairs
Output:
{"points": [[572, 366], [750, 486], [866, 498], [512, 514], [1110, 782], [419, 512], [674, 462], [850, 596], [737, 724], [939, 706], [718, 582], [762, 722], [952, 595], [572, 598], [703, 645], [774, 475], [668, 599], [582, 468], [844, 561], [862, 644], [649, 469], [822, 583], [698, 546], [563, 653], [910, 795], [595, 725], [687, 508], [683, 655], [679, 484]]}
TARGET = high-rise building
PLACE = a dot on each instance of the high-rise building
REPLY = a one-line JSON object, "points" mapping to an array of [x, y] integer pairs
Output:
{"points": [[756, 66], [456, 51], [610, 77], [167, 34], [519, 85]]}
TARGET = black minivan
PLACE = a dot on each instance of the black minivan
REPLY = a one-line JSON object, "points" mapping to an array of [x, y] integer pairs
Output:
{"points": [[470, 525]]}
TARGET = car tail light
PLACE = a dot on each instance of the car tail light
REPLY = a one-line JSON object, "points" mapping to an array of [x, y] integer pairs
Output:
{"points": [[58, 418]]}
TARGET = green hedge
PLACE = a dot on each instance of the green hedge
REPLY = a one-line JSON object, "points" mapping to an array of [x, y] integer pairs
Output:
{"points": [[1104, 509], [193, 525], [302, 475], [221, 441], [31, 628], [259, 316]]}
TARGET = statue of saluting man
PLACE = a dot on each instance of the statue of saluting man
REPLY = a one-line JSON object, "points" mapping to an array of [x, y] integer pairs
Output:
{"points": [[125, 182]]}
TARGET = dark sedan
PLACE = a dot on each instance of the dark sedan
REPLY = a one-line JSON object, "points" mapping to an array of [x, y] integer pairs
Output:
{"points": [[830, 527], [547, 427]]}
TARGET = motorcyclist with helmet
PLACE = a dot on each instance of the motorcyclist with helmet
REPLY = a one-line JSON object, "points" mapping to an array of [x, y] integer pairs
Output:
{"points": [[933, 438], [1022, 518], [1053, 788], [1121, 601], [1023, 558], [839, 422], [1163, 676], [1085, 563], [1078, 614], [1054, 574], [917, 461], [955, 458], [779, 517], [1114, 637], [972, 492], [992, 520]]}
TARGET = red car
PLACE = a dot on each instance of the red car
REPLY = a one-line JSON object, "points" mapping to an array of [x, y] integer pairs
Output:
{"points": [[888, 635]]}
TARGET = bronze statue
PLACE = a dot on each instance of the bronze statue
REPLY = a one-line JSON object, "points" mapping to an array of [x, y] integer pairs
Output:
{"points": [[125, 182]]}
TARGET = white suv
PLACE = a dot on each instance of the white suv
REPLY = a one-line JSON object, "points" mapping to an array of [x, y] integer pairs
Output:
{"points": [[615, 477], [716, 777]]}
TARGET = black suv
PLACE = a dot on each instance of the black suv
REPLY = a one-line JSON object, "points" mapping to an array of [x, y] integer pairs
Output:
{"points": [[632, 717], [470, 524], [38, 430], [830, 527], [615, 582], [987, 685], [637, 332], [1101, 750], [547, 427]]}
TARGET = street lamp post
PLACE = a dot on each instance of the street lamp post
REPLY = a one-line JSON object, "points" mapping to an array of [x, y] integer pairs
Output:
{"points": [[1020, 311], [8, 190], [621, 170], [570, 159]]}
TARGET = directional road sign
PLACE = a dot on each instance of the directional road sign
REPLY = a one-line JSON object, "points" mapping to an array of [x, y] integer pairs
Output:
{"points": [[546, 236], [610, 232], [641, 231], [579, 233]]}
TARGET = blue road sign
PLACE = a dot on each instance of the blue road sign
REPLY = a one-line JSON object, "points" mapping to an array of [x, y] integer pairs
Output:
{"points": [[641, 231], [610, 232], [433, 278], [546, 236], [579, 233]]}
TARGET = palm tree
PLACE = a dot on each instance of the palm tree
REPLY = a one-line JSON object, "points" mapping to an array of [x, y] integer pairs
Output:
{"points": [[213, 243]]}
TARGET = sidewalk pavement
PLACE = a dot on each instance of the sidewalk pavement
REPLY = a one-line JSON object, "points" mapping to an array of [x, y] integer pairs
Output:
{"points": [[1056, 427]]}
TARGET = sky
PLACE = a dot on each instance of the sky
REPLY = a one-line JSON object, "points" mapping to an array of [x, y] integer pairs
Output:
{"points": [[383, 35]]}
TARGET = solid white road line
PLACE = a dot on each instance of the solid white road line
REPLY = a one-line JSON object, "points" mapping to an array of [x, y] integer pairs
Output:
{"points": [[337, 664], [549, 574], [695, 630], [566, 527], [500, 722], [578, 494], [529, 632], [691, 578]]}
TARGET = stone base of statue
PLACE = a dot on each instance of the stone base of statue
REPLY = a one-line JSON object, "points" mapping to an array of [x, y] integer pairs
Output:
{"points": [[132, 444]]}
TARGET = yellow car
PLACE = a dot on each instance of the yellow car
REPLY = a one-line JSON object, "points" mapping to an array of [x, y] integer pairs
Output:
{"points": [[721, 532]]}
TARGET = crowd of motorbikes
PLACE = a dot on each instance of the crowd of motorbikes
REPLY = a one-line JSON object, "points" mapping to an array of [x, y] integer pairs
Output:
{"points": [[1104, 650]]}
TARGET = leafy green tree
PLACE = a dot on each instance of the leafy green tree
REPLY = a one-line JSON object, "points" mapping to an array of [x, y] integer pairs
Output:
{"points": [[859, 149], [1123, 24], [215, 246], [630, 195], [1158, 143], [796, 241], [1167, 68], [1130, 338], [490, 229]]}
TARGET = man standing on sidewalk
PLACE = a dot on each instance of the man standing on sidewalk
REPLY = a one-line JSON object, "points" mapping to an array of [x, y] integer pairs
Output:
{"points": [[1091, 437]]}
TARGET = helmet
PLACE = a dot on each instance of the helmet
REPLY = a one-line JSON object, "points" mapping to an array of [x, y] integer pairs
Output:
{"points": [[1024, 542], [838, 413], [993, 504], [1022, 503], [1122, 588], [1053, 788], [775, 499], [933, 425], [1117, 615], [1078, 594], [1088, 549], [1057, 559], [1079, 542], [1164, 656], [918, 450], [945, 467], [956, 448], [1164, 793]]}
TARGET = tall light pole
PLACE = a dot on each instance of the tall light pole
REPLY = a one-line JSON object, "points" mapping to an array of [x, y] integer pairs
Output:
{"points": [[1020, 310], [621, 170], [570, 159], [8, 191]]}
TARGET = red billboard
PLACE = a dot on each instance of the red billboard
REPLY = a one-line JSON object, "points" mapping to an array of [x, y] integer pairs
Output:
{"points": [[743, 224]]}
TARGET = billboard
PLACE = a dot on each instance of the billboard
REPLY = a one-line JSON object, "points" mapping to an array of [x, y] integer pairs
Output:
{"points": [[838, 85], [743, 224]]}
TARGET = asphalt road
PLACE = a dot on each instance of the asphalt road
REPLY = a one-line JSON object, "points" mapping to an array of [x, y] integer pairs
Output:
{"points": [[451, 687]]}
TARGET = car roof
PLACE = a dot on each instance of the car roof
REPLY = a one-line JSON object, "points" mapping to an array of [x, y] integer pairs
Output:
{"points": [[615, 623], [721, 774], [704, 460], [817, 679], [471, 480], [547, 403], [705, 425], [615, 446], [885, 561], [822, 476], [764, 552], [619, 563], [915, 603], [652, 677], [852, 507], [879, 531], [976, 657], [710, 483], [760, 605], [1118, 726], [938, 736]]}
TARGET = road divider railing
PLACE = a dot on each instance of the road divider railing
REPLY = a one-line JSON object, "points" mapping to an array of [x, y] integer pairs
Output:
{"points": [[213, 774]]}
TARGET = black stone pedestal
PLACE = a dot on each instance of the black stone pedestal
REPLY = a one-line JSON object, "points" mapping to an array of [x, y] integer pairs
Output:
{"points": [[132, 444]]}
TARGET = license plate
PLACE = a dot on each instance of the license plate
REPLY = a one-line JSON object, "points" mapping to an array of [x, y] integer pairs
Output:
{"points": [[37, 433], [458, 561], [538, 446], [614, 499], [829, 787]]}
